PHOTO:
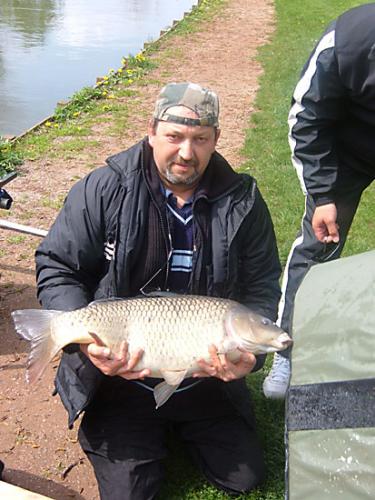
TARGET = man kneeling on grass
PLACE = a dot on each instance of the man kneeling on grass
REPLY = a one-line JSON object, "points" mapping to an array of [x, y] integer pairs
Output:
{"points": [[168, 214]]}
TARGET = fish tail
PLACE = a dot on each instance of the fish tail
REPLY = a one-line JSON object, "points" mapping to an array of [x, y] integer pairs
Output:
{"points": [[34, 325]]}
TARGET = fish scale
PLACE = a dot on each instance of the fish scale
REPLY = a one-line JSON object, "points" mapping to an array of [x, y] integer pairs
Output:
{"points": [[173, 330]]}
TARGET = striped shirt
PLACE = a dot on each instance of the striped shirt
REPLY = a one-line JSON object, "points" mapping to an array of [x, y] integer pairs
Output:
{"points": [[180, 221]]}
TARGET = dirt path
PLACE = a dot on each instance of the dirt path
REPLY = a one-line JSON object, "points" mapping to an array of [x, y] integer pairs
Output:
{"points": [[39, 452]]}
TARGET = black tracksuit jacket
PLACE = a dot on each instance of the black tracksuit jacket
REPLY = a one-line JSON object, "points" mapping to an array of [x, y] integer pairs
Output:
{"points": [[105, 216], [332, 118]]}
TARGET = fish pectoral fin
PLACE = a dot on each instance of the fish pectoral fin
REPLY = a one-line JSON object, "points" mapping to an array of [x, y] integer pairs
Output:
{"points": [[173, 377], [162, 392], [97, 339]]}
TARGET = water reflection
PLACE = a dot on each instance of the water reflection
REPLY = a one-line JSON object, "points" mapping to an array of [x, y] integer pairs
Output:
{"points": [[49, 49], [29, 18]]}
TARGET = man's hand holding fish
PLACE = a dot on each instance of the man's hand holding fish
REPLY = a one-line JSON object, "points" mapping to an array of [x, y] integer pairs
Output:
{"points": [[115, 364], [223, 368]]}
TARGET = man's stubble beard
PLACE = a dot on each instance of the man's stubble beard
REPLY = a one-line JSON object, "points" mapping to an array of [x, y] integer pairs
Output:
{"points": [[176, 179]]}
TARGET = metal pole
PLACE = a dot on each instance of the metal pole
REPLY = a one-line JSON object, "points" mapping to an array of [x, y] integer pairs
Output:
{"points": [[20, 228]]}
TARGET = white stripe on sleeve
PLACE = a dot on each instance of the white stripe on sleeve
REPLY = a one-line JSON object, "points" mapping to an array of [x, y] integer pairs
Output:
{"points": [[328, 41]]}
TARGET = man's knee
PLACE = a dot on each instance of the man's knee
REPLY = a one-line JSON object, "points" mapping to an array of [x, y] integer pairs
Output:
{"points": [[128, 479], [243, 480]]}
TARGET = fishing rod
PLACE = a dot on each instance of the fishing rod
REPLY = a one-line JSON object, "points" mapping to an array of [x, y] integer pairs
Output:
{"points": [[6, 202]]}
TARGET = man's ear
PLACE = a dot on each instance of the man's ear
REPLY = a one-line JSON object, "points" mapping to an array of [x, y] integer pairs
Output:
{"points": [[217, 135], [151, 132]]}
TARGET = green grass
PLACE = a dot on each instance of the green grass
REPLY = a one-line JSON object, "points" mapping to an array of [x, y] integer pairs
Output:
{"points": [[16, 240], [9, 157], [68, 149], [55, 203]]}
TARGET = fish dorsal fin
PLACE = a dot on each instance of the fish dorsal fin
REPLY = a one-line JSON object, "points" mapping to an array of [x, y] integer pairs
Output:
{"points": [[109, 299], [161, 293], [162, 392], [144, 295]]}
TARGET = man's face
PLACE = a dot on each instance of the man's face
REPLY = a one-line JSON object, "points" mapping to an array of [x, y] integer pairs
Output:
{"points": [[182, 152]]}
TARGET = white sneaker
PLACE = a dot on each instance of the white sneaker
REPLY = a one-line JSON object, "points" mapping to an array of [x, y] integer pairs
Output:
{"points": [[276, 383]]}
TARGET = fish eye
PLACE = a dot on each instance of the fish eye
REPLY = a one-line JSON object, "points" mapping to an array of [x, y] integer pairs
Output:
{"points": [[266, 321]]}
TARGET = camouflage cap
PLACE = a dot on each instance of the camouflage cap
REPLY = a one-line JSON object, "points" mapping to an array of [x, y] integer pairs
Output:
{"points": [[202, 101]]}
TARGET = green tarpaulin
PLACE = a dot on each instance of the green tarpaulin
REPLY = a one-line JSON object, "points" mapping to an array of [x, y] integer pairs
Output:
{"points": [[330, 418]]}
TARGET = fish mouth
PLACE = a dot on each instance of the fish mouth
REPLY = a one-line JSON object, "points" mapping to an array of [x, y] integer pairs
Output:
{"points": [[285, 341]]}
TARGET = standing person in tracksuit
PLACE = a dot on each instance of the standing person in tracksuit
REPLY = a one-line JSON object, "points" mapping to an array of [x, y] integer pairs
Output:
{"points": [[332, 140]]}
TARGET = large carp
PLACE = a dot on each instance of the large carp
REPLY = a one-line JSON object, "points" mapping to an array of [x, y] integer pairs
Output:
{"points": [[174, 332]]}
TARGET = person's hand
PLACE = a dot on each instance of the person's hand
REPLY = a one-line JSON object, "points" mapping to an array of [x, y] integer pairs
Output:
{"points": [[324, 223], [114, 364], [221, 367]]}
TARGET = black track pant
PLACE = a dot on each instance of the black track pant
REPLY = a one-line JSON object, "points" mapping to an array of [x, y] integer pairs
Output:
{"points": [[124, 437], [307, 250]]}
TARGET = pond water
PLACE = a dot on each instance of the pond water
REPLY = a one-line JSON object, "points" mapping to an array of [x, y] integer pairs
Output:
{"points": [[49, 49]]}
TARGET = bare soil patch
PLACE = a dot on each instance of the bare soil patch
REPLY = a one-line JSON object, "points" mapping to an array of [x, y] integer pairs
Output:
{"points": [[39, 451]]}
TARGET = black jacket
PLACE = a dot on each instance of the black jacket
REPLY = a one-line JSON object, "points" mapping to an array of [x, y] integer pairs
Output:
{"points": [[92, 248], [332, 119]]}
